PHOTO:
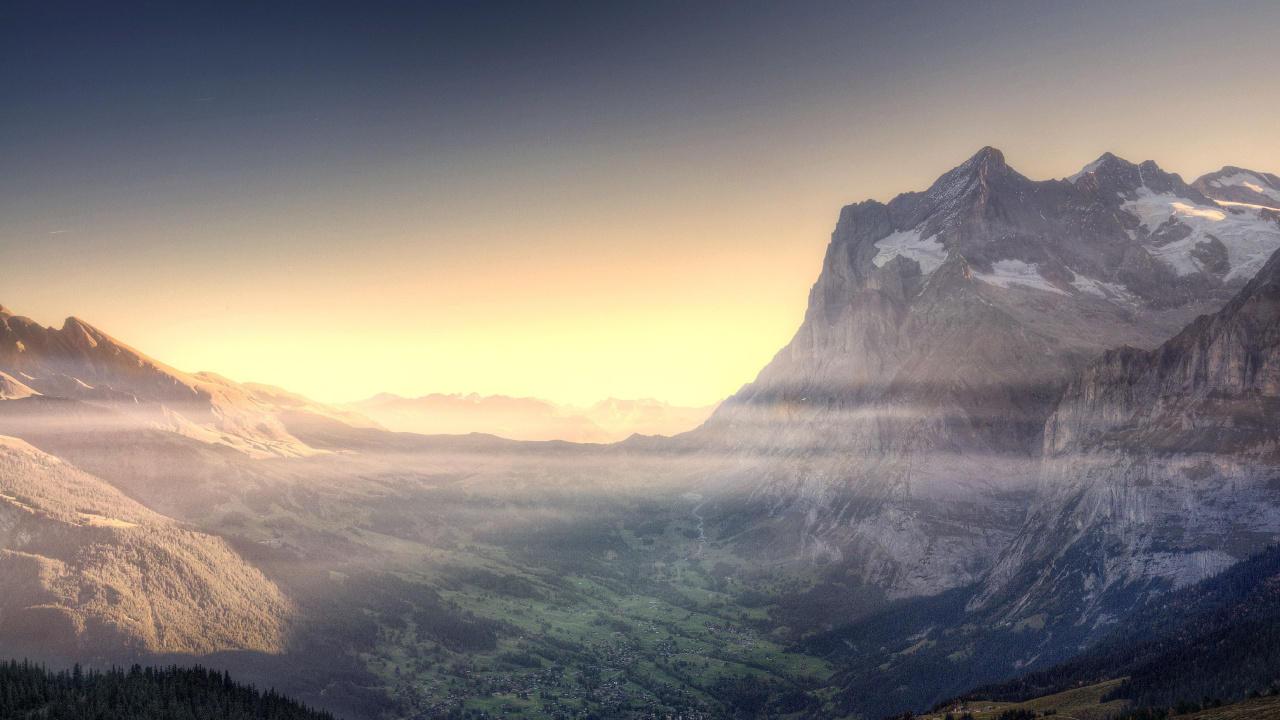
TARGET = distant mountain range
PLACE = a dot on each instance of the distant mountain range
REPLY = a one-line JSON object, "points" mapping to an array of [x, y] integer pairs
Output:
{"points": [[607, 421], [80, 362]]}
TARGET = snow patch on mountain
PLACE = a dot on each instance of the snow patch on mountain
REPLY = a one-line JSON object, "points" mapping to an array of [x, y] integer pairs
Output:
{"points": [[908, 243], [1007, 273], [1086, 170], [1249, 236], [1249, 181], [1107, 291]]}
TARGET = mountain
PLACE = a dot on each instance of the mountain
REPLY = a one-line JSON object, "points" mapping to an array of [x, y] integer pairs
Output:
{"points": [[90, 573], [900, 433], [508, 417], [624, 418], [1016, 411], [11, 389], [1214, 387], [80, 362], [608, 421], [1235, 185], [1021, 409]]}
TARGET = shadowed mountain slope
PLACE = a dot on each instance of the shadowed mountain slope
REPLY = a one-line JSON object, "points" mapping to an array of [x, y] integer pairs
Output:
{"points": [[1215, 387], [1160, 469], [1218, 638]]}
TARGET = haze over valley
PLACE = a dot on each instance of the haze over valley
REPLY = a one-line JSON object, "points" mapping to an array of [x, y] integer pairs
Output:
{"points": [[556, 362], [609, 420]]}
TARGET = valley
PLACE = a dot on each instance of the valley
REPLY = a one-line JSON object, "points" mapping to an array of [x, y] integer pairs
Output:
{"points": [[1018, 415], [570, 360]]}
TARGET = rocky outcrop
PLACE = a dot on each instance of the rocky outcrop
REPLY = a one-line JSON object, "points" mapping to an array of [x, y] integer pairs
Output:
{"points": [[1160, 469]]}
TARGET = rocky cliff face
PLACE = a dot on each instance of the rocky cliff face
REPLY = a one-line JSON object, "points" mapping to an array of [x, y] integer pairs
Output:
{"points": [[1160, 468], [901, 429], [1214, 387]]}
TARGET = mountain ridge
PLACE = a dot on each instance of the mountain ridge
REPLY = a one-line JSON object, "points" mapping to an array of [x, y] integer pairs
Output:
{"points": [[943, 330], [82, 363]]}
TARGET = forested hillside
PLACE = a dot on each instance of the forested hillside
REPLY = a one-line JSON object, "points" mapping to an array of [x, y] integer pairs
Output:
{"points": [[173, 693], [1217, 639]]}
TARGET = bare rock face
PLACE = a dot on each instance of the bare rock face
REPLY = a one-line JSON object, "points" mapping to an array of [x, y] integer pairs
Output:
{"points": [[901, 430], [1214, 387], [1108, 531], [1160, 467]]}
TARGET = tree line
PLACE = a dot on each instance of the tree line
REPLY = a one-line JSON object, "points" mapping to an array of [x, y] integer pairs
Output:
{"points": [[30, 691]]}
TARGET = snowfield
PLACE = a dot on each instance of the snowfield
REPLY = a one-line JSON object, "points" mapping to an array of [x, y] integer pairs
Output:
{"points": [[1249, 237], [927, 251]]}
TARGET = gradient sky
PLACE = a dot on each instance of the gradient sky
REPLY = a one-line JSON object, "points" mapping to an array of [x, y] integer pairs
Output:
{"points": [[562, 200]]}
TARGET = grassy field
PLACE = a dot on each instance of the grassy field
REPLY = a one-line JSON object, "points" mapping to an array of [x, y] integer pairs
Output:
{"points": [[1266, 708], [1079, 704], [635, 638], [1086, 703]]}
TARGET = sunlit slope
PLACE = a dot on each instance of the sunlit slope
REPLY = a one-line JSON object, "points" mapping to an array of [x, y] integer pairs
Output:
{"points": [[1095, 702], [87, 570], [80, 362]]}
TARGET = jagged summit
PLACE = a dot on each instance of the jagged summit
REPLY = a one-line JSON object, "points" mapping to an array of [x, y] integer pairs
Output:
{"points": [[974, 183], [1107, 159], [940, 335], [985, 161], [1135, 244]]}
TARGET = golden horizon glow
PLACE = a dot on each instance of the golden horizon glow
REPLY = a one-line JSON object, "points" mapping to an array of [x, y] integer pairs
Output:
{"points": [[682, 308], [586, 230]]}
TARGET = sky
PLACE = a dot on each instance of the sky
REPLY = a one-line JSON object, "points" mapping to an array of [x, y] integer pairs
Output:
{"points": [[564, 200]]}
